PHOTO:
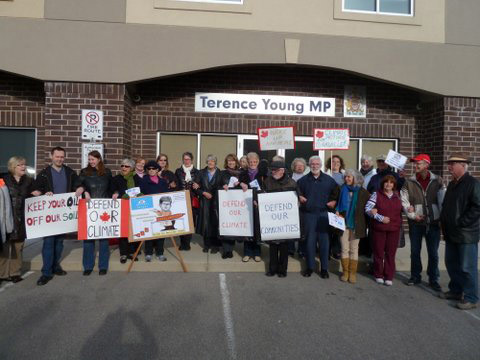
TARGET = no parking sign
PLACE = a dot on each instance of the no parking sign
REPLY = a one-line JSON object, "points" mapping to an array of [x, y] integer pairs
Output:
{"points": [[92, 124]]}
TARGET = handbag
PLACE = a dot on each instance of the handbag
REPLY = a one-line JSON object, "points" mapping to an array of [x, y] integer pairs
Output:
{"points": [[195, 202]]}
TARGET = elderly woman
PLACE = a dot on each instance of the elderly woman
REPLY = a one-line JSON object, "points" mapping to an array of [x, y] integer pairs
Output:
{"points": [[152, 183], [367, 169], [207, 222], [19, 187], [120, 184], [299, 167], [253, 178], [164, 173], [385, 207], [243, 162], [351, 204], [232, 171], [187, 176], [96, 181]]}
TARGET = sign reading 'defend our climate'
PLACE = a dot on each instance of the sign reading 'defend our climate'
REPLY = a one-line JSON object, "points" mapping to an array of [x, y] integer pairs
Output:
{"points": [[279, 218], [235, 212], [264, 104]]}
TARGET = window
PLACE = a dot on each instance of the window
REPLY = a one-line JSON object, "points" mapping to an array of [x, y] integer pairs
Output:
{"points": [[239, 2], [17, 142], [389, 7]]}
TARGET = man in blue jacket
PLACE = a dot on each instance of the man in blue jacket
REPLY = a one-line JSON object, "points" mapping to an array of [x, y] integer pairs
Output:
{"points": [[319, 193]]}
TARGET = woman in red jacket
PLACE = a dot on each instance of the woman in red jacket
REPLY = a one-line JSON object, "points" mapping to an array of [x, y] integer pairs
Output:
{"points": [[385, 207]]}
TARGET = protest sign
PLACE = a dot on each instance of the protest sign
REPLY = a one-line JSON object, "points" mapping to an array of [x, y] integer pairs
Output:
{"points": [[133, 191], [235, 209], [331, 139], [274, 138], [336, 221], [160, 216], [279, 218], [396, 160], [102, 219], [51, 215]]}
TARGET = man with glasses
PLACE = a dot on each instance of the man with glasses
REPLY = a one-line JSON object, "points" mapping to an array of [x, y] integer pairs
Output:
{"points": [[57, 178], [422, 207]]}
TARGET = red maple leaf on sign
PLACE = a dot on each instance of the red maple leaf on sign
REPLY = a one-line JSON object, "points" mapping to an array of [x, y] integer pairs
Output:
{"points": [[105, 217], [264, 133], [319, 134]]}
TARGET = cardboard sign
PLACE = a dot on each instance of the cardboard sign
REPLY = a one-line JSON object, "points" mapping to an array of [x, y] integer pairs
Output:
{"points": [[51, 215], [160, 215], [396, 160], [336, 221], [279, 217], [331, 139], [102, 219], [92, 124], [87, 148], [235, 209], [133, 192], [275, 138]]}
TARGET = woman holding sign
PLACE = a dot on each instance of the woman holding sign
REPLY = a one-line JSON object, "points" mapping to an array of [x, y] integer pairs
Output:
{"points": [[96, 181], [351, 205], [385, 207]]}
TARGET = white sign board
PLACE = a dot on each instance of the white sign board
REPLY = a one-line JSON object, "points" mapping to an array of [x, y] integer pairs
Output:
{"points": [[355, 101], [279, 218], [331, 139], [264, 104], [275, 138], [92, 124], [396, 160], [87, 148], [51, 215], [102, 219], [235, 212], [336, 221]]}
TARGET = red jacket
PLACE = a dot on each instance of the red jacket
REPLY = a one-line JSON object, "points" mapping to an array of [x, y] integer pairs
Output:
{"points": [[390, 207]]}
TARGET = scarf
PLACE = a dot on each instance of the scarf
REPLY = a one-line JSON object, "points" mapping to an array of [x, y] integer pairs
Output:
{"points": [[130, 180], [365, 172], [252, 173], [155, 179], [234, 172], [187, 171], [343, 204]]}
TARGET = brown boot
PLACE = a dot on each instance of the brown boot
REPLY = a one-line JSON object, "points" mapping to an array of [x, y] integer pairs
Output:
{"points": [[345, 269], [353, 271]]}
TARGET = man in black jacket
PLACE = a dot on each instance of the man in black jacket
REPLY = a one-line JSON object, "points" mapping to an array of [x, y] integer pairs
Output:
{"points": [[460, 219], [54, 179]]}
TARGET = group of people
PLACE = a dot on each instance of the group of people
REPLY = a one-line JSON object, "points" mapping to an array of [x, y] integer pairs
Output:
{"points": [[370, 200]]}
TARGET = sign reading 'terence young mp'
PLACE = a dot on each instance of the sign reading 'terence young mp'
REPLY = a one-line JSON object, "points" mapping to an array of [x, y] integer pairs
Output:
{"points": [[264, 104]]}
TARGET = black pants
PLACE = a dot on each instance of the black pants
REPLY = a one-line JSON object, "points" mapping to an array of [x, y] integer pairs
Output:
{"points": [[209, 242], [125, 247], [279, 257], [228, 245], [158, 244]]}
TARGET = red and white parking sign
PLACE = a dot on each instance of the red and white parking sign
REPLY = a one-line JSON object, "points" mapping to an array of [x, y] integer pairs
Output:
{"points": [[92, 124]]}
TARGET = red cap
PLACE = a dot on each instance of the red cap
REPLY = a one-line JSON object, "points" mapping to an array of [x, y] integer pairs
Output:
{"points": [[421, 157]]}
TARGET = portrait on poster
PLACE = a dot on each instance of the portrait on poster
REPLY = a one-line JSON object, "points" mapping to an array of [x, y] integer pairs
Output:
{"points": [[161, 215], [355, 101]]}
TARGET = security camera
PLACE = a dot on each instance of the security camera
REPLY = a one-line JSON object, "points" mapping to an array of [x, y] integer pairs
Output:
{"points": [[419, 106], [136, 98]]}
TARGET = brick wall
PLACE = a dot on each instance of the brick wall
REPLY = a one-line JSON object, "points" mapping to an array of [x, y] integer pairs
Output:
{"points": [[168, 105], [430, 138], [22, 105]]}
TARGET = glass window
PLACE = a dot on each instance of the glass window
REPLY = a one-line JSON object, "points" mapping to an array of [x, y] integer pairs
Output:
{"points": [[303, 149], [220, 146], [375, 148], [17, 142], [251, 145], [350, 156], [361, 5], [396, 7], [175, 145]]}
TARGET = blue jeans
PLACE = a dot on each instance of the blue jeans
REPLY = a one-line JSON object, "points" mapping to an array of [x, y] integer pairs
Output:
{"points": [[51, 254], [432, 239], [316, 231], [461, 261], [251, 248], [89, 254]]}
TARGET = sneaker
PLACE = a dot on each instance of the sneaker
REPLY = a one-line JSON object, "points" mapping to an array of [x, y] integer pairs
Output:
{"points": [[435, 285], [413, 281], [123, 259], [379, 281], [388, 283], [246, 259], [257, 258], [161, 258], [148, 258], [450, 296], [466, 305]]}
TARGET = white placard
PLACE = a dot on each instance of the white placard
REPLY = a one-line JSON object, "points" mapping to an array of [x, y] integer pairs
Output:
{"points": [[92, 124], [233, 180], [275, 138], [87, 148], [336, 221], [235, 212], [279, 217], [51, 215], [264, 104], [331, 139], [133, 192], [102, 219], [254, 184], [396, 160]]}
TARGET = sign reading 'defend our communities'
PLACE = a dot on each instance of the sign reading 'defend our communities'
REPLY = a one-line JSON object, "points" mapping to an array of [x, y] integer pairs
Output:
{"points": [[51, 215], [279, 217], [331, 139], [275, 138], [235, 209], [103, 219], [264, 104]]}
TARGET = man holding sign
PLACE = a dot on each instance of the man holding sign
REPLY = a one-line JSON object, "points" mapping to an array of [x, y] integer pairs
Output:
{"points": [[56, 178]]}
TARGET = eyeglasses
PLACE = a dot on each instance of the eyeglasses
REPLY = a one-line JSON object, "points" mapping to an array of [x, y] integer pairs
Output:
{"points": [[151, 168], [125, 166], [162, 160]]}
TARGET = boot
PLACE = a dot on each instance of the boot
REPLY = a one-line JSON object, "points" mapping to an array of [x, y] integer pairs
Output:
{"points": [[353, 271], [345, 262]]}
